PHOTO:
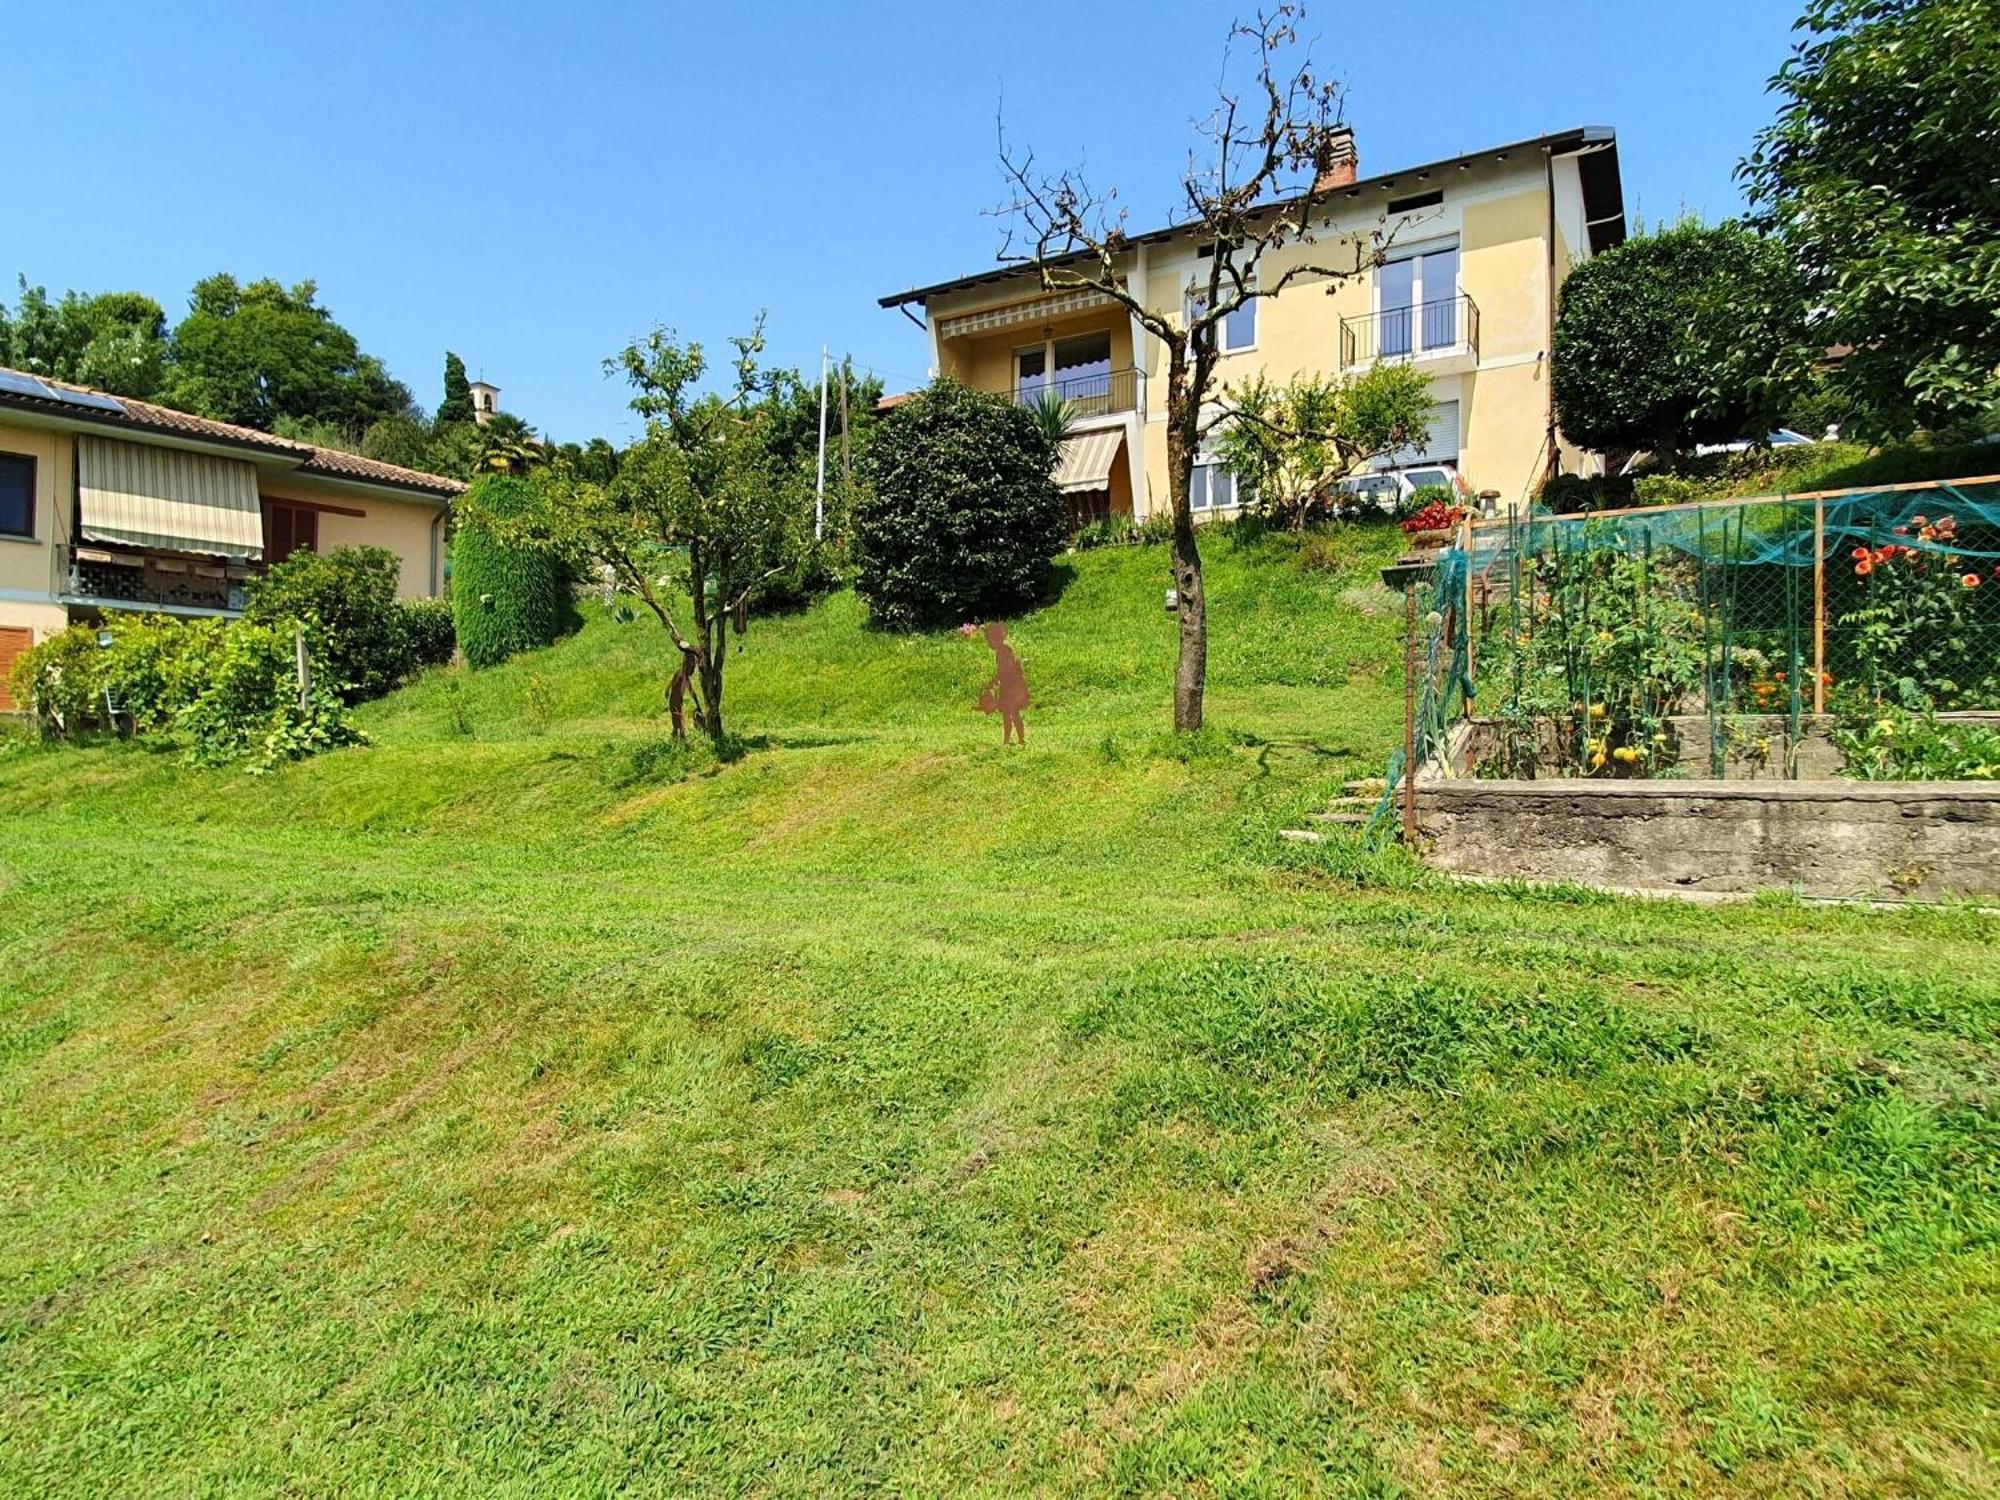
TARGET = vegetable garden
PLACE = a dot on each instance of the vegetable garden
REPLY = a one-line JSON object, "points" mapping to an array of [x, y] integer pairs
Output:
{"points": [[1718, 640]]}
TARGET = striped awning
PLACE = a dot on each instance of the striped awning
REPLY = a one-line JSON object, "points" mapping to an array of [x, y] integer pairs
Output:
{"points": [[137, 495], [1014, 314], [1087, 459]]}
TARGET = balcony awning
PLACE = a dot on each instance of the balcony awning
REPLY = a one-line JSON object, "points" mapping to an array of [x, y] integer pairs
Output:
{"points": [[1087, 459], [138, 495]]}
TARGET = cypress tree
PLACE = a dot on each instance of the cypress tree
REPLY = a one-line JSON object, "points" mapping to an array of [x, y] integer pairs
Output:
{"points": [[457, 403]]}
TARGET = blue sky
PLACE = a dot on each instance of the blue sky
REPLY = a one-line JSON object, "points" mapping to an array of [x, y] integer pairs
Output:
{"points": [[533, 184]]}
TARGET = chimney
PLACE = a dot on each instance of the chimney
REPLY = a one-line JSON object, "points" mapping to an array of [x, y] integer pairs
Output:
{"points": [[1337, 159]]}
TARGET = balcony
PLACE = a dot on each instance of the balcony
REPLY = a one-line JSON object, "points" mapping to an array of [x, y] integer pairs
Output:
{"points": [[1096, 393], [122, 578], [1443, 334]]}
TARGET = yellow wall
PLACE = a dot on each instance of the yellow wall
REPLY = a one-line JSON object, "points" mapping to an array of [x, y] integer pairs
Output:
{"points": [[1501, 219], [403, 526], [28, 567], [28, 581]]}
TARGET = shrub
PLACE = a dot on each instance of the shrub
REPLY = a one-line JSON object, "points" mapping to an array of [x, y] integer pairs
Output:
{"points": [[505, 597], [350, 593], [249, 705], [962, 517], [1674, 339], [60, 680], [428, 630], [229, 691]]}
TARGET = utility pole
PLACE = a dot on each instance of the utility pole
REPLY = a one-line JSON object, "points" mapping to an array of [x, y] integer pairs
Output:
{"points": [[819, 500], [846, 449]]}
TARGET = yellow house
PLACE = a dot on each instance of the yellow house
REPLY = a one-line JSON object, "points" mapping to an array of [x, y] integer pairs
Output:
{"points": [[1473, 249], [108, 503]]}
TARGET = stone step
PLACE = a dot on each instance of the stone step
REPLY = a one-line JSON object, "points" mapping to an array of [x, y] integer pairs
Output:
{"points": [[1345, 819], [1364, 784], [1301, 836]]}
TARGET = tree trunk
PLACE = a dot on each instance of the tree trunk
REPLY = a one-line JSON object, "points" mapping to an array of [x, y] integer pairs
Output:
{"points": [[1183, 437]]}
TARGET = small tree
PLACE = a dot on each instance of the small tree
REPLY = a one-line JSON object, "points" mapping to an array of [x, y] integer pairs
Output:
{"points": [[702, 510], [960, 517], [1289, 445], [1878, 176], [1671, 339], [1261, 185], [457, 403]]}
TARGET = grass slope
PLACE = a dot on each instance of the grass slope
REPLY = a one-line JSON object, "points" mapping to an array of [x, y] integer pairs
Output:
{"points": [[529, 1110]]}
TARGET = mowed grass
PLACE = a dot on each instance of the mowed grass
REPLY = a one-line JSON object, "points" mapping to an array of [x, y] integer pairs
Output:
{"points": [[518, 1106]]}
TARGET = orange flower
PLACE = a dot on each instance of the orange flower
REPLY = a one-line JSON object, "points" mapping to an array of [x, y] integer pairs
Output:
{"points": [[1863, 568], [1970, 580], [1859, 553]]}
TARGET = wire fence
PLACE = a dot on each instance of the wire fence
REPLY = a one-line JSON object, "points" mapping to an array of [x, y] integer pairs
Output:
{"points": [[1711, 639]]}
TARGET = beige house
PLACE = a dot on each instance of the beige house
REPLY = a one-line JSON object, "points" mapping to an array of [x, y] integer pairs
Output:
{"points": [[1475, 248], [108, 503]]}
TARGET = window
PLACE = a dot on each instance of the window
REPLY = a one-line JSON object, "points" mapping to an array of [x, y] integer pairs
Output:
{"points": [[1083, 366], [17, 495], [1239, 328], [289, 529], [1417, 297], [1210, 486], [1031, 374]]}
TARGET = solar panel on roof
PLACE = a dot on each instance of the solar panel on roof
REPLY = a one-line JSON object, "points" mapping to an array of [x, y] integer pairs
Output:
{"points": [[96, 400], [15, 382], [19, 384]]}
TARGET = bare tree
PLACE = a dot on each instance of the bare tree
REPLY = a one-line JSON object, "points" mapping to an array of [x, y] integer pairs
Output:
{"points": [[1259, 182]]}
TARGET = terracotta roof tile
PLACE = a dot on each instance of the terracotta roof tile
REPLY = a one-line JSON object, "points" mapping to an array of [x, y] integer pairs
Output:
{"points": [[312, 459]]}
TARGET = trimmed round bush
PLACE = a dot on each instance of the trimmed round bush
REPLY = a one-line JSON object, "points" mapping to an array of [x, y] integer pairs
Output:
{"points": [[962, 515], [505, 597], [428, 628]]}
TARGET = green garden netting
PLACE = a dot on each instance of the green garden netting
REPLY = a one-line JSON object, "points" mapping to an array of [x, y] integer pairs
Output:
{"points": [[1700, 639]]}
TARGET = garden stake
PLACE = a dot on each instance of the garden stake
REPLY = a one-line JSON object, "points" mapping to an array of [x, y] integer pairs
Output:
{"points": [[1410, 715], [1819, 607]]}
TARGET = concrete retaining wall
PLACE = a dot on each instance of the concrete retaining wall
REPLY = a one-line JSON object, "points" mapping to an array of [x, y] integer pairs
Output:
{"points": [[1876, 840]]}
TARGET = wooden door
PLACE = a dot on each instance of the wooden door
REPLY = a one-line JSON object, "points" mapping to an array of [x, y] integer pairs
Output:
{"points": [[14, 643]]}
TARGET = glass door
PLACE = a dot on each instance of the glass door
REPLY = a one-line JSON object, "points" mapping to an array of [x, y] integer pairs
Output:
{"points": [[1031, 374]]}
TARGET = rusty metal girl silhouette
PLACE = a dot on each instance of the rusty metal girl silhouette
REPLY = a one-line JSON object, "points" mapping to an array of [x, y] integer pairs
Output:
{"points": [[1007, 693]]}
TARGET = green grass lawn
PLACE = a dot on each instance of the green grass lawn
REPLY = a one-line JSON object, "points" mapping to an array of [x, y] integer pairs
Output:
{"points": [[516, 1106]]}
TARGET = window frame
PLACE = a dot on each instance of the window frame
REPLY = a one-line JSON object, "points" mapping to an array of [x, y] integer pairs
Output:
{"points": [[1414, 255], [31, 464], [1193, 299]]}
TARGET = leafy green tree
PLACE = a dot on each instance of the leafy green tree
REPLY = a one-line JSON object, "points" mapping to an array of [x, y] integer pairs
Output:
{"points": [[1288, 445], [962, 515], [457, 403], [259, 352], [115, 341], [1687, 336], [1878, 175], [704, 509]]}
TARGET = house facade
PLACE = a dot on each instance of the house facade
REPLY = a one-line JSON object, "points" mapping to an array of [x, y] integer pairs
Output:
{"points": [[107, 503], [1473, 250]]}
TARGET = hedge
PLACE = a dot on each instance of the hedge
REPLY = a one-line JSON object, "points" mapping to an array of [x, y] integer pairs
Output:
{"points": [[505, 597]]}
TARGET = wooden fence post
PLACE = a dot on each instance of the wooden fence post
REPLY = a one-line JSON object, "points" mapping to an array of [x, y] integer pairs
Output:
{"points": [[304, 668], [1410, 715], [1819, 607]]}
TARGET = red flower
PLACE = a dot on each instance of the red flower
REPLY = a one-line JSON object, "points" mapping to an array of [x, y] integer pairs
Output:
{"points": [[1863, 568], [1970, 580], [1859, 554]]}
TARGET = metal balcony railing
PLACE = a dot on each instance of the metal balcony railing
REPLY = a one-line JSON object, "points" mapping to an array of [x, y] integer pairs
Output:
{"points": [[1095, 394], [1449, 325]]}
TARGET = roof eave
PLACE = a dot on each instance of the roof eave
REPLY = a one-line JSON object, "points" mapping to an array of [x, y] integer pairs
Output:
{"points": [[1559, 143]]}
